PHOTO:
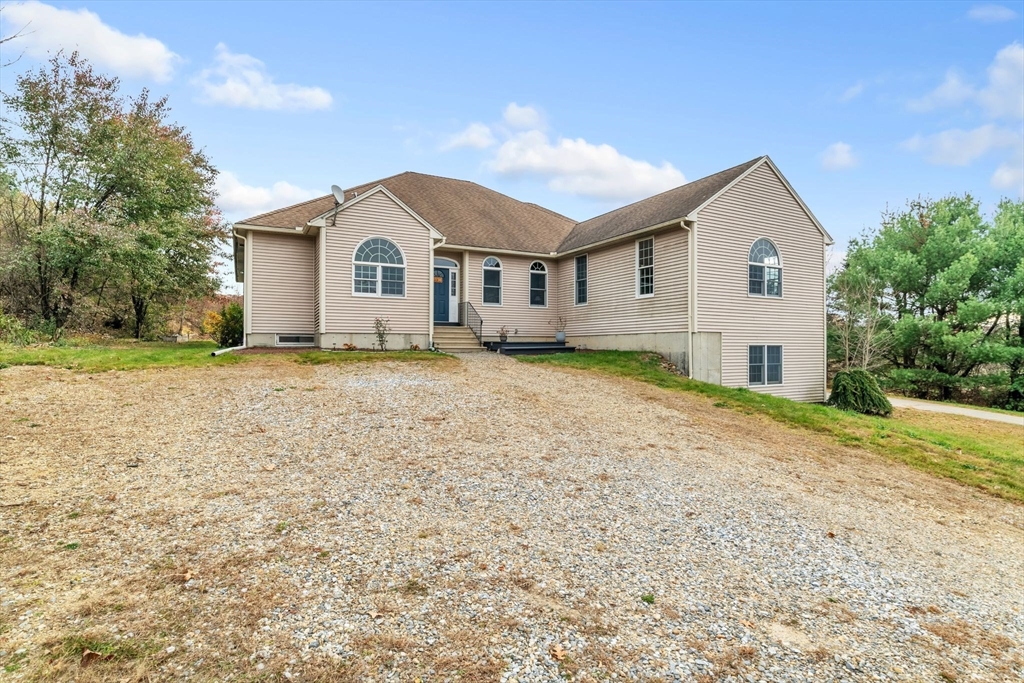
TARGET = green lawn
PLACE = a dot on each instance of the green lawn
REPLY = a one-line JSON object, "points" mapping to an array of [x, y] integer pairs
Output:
{"points": [[341, 357], [122, 355], [989, 456], [99, 357]]}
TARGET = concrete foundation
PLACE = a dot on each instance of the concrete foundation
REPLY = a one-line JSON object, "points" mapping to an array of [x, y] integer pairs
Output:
{"points": [[707, 357], [672, 345], [396, 342]]}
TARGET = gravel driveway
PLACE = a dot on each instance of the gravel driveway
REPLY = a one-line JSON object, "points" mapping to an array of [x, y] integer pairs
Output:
{"points": [[477, 520]]}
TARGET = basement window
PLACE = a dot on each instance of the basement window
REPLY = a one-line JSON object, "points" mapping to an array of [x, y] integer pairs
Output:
{"points": [[294, 340], [764, 365]]}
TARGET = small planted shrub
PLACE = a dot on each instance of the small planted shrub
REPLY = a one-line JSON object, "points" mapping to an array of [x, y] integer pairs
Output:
{"points": [[381, 330], [858, 391], [232, 326]]}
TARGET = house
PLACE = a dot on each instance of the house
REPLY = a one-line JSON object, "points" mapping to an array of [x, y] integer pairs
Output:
{"points": [[725, 275]]}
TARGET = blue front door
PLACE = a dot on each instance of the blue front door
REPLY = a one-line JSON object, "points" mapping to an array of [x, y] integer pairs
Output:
{"points": [[440, 295]]}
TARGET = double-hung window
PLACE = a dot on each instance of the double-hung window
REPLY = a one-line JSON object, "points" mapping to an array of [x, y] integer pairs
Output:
{"points": [[764, 365], [538, 284], [581, 280], [764, 270], [492, 281], [645, 267], [378, 269]]}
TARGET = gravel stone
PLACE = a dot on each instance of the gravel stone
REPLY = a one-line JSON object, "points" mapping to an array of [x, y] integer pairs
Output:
{"points": [[486, 519]]}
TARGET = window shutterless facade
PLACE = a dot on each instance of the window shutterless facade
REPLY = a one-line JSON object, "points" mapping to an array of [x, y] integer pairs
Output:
{"points": [[538, 284], [378, 269], [764, 365], [645, 267], [764, 270], [581, 280], [492, 282]]}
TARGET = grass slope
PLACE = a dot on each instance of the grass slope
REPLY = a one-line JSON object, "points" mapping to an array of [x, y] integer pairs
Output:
{"points": [[98, 357], [989, 456], [93, 357]]}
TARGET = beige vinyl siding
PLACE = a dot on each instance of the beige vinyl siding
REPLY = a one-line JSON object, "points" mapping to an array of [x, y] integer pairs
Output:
{"points": [[515, 311], [376, 216], [612, 306], [761, 206], [282, 283]]}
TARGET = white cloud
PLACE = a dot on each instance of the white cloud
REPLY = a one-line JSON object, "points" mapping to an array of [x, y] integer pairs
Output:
{"points": [[1010, 176], [239, 80], [952, 92], [853, 92], [1004, 94], [476, 136], [46, 30], [575, 166], [238, 200], [838, 157], [990, 14], [957, 147], [1001, 97], [521, 118]]}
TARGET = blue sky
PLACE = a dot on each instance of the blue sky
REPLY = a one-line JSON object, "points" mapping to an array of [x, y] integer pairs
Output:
{"points": [[861, 105]]}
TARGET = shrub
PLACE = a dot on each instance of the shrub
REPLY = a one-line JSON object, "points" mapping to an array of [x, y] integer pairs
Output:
{"points": [[381, 330], [857, 390], [232, 326], [211, 324], [13, 332]]}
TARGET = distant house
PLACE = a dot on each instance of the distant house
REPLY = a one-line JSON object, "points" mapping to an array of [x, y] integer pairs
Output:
{"points": [[724, 275]]}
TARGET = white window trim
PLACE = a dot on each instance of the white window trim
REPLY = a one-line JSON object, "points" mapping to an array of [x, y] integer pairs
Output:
{"points": [[575, 280], [501, 281], [782, 287], [529, 284], [764, 365], [378, 294], [278, 342], [636, 269]]}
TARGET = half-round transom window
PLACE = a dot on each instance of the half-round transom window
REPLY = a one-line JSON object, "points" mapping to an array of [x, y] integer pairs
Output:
{"points": [[492, 281], [764, 269], [378, 268], [379, 250], [538, 284]]}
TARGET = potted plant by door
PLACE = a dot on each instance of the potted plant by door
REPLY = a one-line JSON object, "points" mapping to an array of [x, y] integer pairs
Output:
{"points": [[559, 324], [503, 334]]}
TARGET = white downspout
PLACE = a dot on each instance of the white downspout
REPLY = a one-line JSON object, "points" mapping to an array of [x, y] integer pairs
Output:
{"points": [[322, 275], [690, 223], [247, 289]]}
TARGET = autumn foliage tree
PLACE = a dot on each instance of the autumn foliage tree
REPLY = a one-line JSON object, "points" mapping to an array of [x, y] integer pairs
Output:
{"points": [[106, 207]]}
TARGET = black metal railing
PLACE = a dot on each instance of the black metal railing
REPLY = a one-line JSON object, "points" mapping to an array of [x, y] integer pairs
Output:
{"points": [[471, 319]]}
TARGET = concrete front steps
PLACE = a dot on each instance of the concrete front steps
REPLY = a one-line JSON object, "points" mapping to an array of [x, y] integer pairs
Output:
{"points": [[454, 339]]}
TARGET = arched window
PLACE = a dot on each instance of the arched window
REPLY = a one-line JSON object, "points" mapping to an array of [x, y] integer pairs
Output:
{"points": [[538, 284], [764, 269], [492, 281], [378, 268]]}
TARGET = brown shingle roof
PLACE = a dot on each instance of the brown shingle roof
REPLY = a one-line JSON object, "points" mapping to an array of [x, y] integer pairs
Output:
{"points": [[660, 208], [471, 215], [291, 217]]}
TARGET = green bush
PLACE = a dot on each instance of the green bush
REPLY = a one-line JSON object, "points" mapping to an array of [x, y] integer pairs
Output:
{"points": [[13, 332], [231, 330], [857, 390]]}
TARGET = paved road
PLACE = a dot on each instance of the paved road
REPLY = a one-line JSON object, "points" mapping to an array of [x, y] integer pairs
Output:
{"points": [[956, 410]]}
